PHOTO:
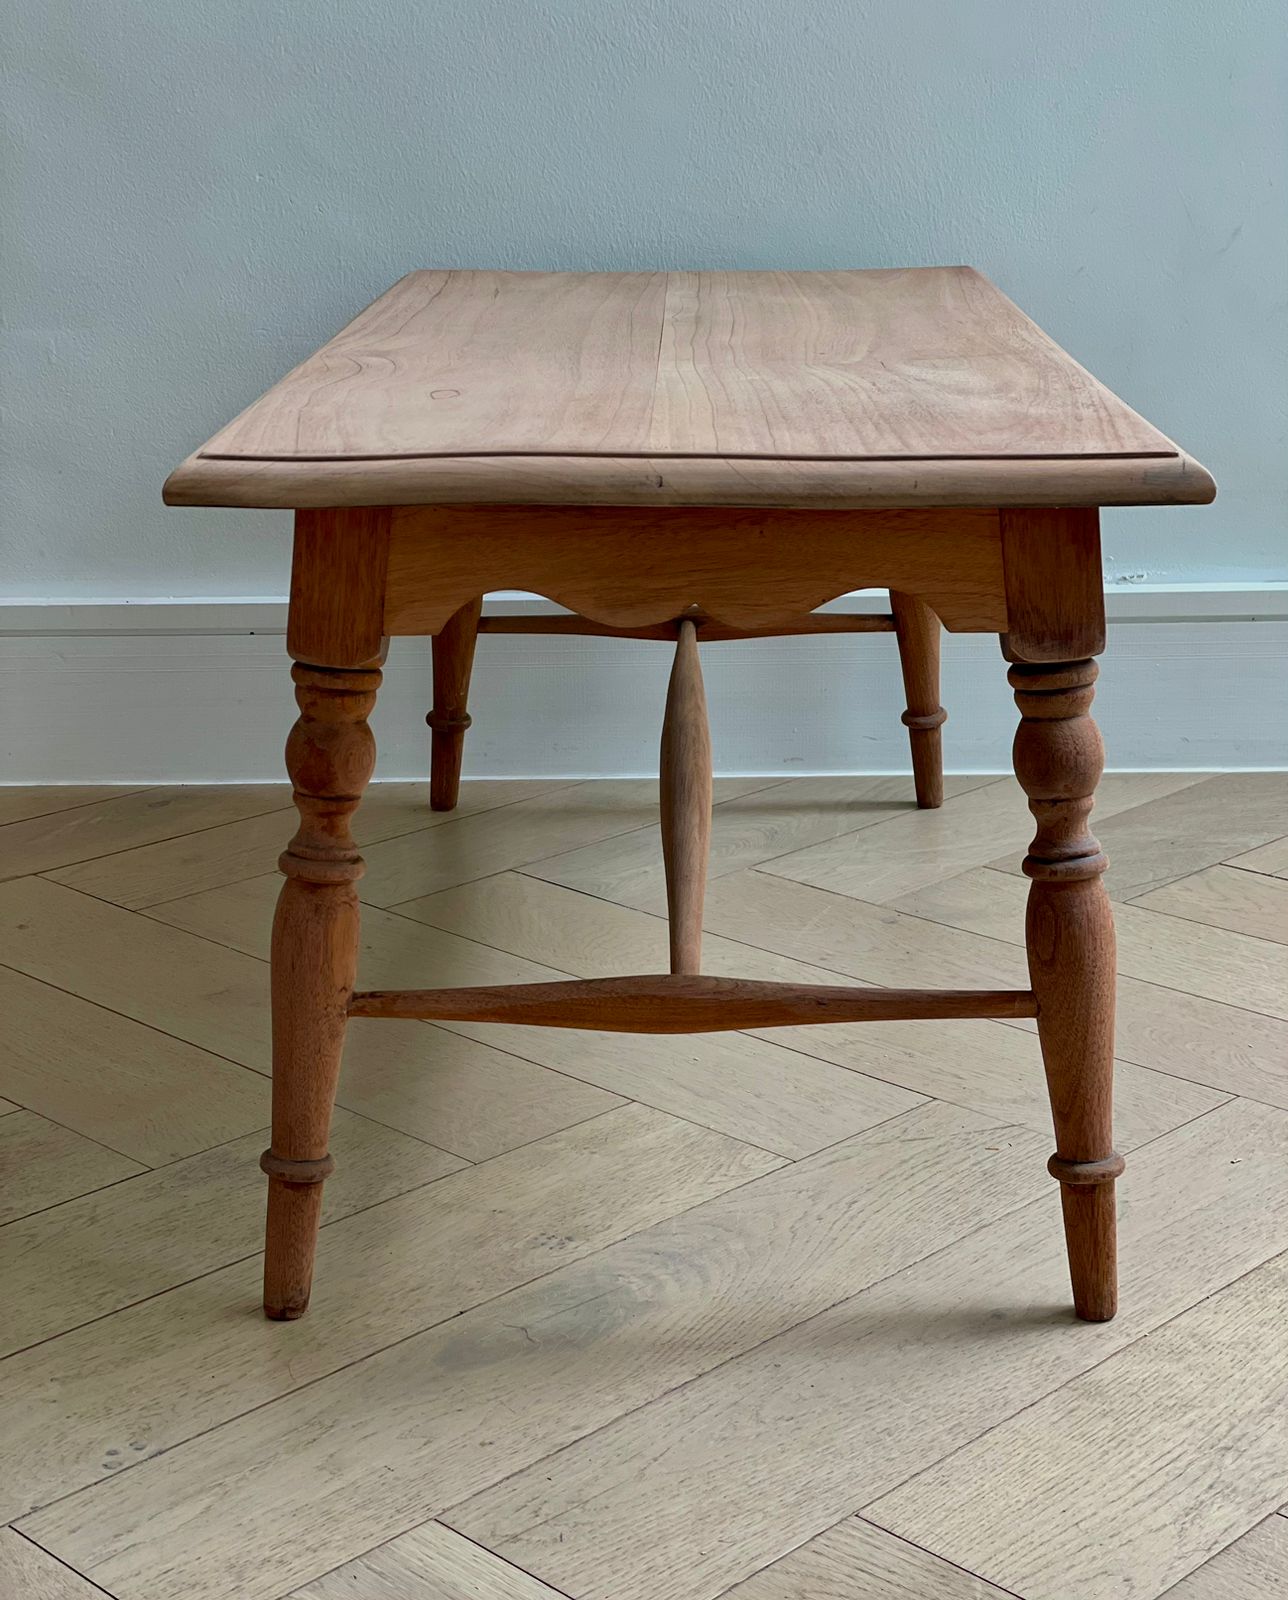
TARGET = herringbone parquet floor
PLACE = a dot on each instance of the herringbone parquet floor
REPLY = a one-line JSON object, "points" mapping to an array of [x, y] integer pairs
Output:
{"points": [[779, 1316]]}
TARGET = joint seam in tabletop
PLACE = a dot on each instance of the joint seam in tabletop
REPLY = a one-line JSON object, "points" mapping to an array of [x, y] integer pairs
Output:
{"points": [[820, 377]]}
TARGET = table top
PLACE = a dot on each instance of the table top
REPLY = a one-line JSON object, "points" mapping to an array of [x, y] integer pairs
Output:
{"points": [[914, 386]]}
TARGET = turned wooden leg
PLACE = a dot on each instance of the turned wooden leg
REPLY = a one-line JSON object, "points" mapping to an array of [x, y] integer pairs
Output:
{"points": [[917, 629], [329, 755], [685, 795], [1070, 936], [453, 649]]}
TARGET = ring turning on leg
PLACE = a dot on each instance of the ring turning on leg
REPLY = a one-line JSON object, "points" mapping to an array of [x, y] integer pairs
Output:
{"points": [[917, 629], [330, 755], [453, 651], [1069, 933]]}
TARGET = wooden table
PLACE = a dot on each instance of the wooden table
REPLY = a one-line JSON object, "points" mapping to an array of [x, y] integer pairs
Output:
{"points": [[647, 448]]}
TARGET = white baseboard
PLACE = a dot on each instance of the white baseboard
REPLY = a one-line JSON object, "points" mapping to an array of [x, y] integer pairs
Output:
{"points": [[196, 691]]}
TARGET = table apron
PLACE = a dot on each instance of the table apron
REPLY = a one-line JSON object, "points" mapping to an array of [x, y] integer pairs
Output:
{"points": [[629, 568]]}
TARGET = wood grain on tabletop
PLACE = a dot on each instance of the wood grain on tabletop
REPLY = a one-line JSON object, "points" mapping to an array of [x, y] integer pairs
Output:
{"points": [[596, 384]]}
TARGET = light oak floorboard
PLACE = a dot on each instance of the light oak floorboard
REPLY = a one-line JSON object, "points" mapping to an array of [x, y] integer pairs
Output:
{"points": [[21, 801], [429, 1563], [139, 1091], [1270, 858], [247, 848], [465, 848], [77, 1409], [744, 832], [1213, 963], [42, 843], [855, 1561], [1198, 1455], [993, 1069], [1225, 897], [748, 1087], [29, 1573], [745, 1086], [380, 1447], [620, 1324], [907, 853], [1207, 821], [95, 1254], [462, 1094], [1222, 1046], [1254, 1567], [198, 990], [680, 1498], [42, 1164]]}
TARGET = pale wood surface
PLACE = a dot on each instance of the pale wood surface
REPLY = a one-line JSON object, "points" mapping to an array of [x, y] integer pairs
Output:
{"points": [[856, 1561], [173, 868], [126, 1382], [1224, 897], [133, 1088], [29, 1573], [1063, 1511], [1222, 964], [20, 801], [1271, 858], [932, 848], [628, 1354], [429, 1563], [745, 831], [87, 1257], [42, 1164], [601, 374], [748, 1087], [718, 1477], [1254, 1567], [497, 1388], [85, 832]]}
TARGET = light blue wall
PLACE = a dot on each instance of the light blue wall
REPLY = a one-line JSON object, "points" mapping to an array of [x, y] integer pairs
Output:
{"points": [[206, 188]]}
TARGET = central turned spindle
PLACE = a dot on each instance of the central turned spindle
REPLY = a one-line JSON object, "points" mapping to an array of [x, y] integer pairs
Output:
{"points": [[685, 801]]}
